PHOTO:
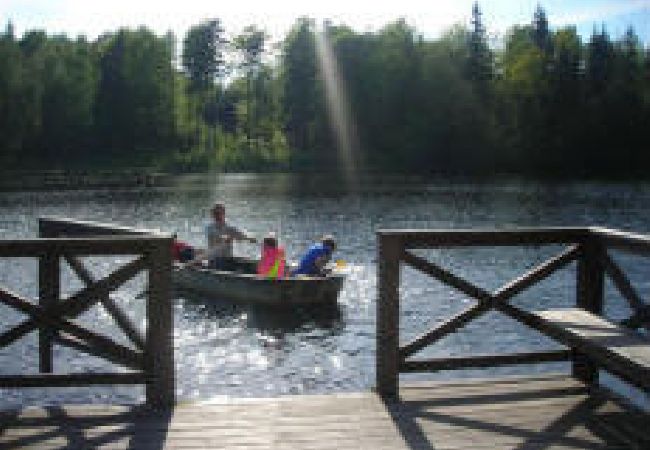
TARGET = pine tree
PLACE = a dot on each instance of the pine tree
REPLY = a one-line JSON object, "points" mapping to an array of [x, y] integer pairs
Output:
{"points": [[540, 33], [479, 65]]}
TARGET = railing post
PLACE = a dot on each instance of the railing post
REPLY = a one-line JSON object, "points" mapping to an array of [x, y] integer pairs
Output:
{"points": [[160, 344], [49, 286], [387, 358], [589, 296]]}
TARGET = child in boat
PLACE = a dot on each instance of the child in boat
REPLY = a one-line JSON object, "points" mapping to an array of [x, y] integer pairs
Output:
{"points": [[316, 258], [182, 251], [272, 260]]}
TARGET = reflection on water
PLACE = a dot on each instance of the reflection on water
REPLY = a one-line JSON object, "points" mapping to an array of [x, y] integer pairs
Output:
{"points": [[265, 319], [231, 350]]}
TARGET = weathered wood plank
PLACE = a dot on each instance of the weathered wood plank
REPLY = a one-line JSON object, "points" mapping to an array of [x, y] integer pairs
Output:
{"points": [[537, 274], [389, 250], [590, 288], [72, 379], [120, 317], [56, 226], [109, 354], [49, 281], [81, 301], [105, 245], [622, 283], [618, 350], [621, 240], [437, 238], [541, 412], [445, 276], [622, 351], [160, 339], [449, 326], [40, 317], [479, 361]]}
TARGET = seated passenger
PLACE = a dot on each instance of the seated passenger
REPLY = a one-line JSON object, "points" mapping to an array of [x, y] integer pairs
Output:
{"points": [[272, 261], [182, 251], [318, 255]]}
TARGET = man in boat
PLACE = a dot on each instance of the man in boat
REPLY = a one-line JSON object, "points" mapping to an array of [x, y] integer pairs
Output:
{"points": [[220, 236], [316, 258]]}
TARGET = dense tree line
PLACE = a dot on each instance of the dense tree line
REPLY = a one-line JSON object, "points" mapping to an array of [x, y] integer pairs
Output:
{"points": [[543, 103]]}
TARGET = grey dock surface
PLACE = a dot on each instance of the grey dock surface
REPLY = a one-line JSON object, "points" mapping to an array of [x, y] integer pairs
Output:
{"points": [[545, 412]]}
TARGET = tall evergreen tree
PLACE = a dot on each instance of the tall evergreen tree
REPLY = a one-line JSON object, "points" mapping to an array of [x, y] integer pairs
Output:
{"points": [[299, 86], [203, 53], [250, 44], [479, 65], [599, 61], [540, 33]]}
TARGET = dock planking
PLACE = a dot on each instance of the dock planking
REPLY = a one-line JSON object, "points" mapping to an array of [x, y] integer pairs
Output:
{"points": [[515, 413]]}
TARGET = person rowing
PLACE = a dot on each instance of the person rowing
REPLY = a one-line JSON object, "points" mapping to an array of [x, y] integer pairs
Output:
{"points": [[220, 236]]}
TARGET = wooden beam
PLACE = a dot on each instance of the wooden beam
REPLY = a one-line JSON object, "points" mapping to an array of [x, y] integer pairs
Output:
{"points": [[503, 294], [109, 303], [590, 288], [388, 280], [449, 326], [56, 226], [92, 338], [72, 379], [446, 277], [437, 238], [107, 245], [640, 318], [116, 357], [537, 274], [623, 352], [16, 332], [622, 283], [49, 281], [160, 391], [635, 243], [483, 361], [82, 300]]}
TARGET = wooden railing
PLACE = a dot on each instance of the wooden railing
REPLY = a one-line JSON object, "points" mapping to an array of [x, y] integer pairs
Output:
{"points": [[149, 356], [587, 246]]}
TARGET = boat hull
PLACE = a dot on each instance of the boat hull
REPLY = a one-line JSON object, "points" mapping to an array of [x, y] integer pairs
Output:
{"points": [[249, 288]]}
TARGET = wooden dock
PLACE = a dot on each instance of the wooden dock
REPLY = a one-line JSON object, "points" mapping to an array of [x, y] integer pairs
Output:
{"points": [[554, 412], [558, 412]]}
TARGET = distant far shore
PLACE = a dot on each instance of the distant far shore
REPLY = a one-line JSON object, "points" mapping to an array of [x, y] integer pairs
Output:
{"points": [[143, 177]]}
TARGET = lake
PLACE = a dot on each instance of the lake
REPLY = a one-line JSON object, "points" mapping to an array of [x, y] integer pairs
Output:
{"points": [[224, 350]]}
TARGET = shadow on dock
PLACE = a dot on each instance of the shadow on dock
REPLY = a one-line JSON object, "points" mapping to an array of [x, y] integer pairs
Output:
{"points": [[512, 413]]}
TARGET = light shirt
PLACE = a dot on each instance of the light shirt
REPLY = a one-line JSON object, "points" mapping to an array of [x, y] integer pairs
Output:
{"points": [[216, 234]]}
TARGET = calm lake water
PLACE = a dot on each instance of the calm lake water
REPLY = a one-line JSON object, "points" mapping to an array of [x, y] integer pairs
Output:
{"points": [[225, 350]]}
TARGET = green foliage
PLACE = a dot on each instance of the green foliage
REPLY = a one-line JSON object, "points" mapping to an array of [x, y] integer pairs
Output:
{"points": [[135, 97], [202, 58], [301, 88], [545, 103]]}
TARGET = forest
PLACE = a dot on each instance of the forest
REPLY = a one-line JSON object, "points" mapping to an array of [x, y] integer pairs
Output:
{"points": [[541, 102]]}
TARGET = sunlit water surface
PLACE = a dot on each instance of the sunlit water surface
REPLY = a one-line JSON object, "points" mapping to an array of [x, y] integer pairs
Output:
{"points": [[225, 350]]}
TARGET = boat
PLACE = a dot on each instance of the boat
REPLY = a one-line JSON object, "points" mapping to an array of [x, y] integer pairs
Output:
{"points": [[245, 286]]}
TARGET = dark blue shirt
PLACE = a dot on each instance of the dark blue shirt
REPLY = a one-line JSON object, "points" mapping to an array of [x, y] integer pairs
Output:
{"points": [[307, 264]]}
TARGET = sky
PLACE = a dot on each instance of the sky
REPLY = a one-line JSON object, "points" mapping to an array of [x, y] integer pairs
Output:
{"points": [[430, 17]]}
